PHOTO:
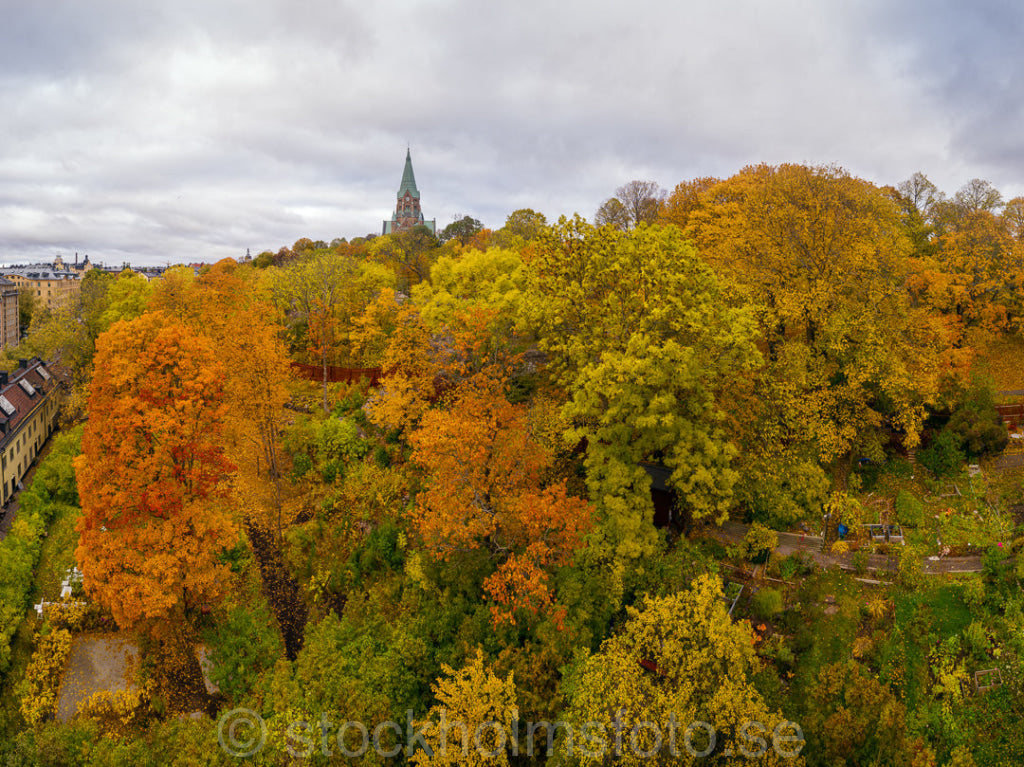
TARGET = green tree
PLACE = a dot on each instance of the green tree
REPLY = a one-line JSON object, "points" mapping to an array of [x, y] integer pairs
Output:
{"points": [[462, 229], [69, 333], [638, 332], [126, 298], [409, 253], [521, 226], [494, 279], [852, 718], [918, 197], [27, 308]]}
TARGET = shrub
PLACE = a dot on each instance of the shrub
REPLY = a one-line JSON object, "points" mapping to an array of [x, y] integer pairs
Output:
{"points": [[789, 567], [899, 467], [808, 564], [47, 497], [774, 648], [943, 457], [909, 510], [351, 401], [977, 639], [760, 541], [976, 423], [382, 457], [877, 606], [860, 562], [119, 711], [42, 677], [911, 570], [767, 603], [331, 470], [974, 593], [382, 549], [301, 464], [72, 615], [243, 644], [300, 437], [338, 439]]}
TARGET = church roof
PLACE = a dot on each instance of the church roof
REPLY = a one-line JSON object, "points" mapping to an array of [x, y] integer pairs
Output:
{"points": [[408, 179]]}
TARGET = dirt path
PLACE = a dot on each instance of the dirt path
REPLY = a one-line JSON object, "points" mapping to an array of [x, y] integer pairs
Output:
{"points": [[1008, 462], [790, 543]]}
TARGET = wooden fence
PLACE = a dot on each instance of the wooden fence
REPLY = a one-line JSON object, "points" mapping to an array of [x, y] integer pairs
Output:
{"points": [[336, 374], [1012, 415]]}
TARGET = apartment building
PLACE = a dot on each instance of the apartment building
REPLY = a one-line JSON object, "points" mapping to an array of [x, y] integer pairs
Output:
{"points": [[53, 288], [28, 415], [10, 333]]}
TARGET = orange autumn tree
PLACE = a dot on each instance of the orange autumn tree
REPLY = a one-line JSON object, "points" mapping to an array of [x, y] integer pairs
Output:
{"points": [[151, 476], [485, 489], [225, 305]]}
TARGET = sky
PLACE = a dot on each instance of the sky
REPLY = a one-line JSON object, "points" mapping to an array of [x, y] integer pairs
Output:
{"points": [[162, 133]]}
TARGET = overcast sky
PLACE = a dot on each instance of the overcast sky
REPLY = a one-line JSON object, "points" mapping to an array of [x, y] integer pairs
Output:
{"points": [[190, 131]]}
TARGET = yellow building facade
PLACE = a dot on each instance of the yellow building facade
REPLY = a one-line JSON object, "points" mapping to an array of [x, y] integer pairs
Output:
{"points": [[53, 288], [28, 416]]}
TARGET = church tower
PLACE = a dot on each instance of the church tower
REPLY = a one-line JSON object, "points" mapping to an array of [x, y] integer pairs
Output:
{"points": [[407, 209]]}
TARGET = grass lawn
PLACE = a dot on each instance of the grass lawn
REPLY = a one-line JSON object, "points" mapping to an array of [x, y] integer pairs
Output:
{"points": [[923, 619]]}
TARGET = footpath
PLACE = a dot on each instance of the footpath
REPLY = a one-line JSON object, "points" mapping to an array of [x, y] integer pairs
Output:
{"points": [[791, 543]]}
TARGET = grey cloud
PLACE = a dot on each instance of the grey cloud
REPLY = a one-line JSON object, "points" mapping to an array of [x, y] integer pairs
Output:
{"points": [[194, 130]]}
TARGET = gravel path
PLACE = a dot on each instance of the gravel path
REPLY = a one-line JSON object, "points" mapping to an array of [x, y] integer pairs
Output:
{"points": [[105, 662]]}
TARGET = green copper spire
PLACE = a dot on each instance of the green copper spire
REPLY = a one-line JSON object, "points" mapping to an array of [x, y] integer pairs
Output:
{"points": [[408, 179]]}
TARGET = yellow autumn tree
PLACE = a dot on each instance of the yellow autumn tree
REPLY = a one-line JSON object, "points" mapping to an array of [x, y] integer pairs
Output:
{"points": [[674, 687], [392, 335], [472, 722], [824, 259]]}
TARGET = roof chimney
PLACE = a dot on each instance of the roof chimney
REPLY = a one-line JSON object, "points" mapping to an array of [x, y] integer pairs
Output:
{"points": [[23, 364]]}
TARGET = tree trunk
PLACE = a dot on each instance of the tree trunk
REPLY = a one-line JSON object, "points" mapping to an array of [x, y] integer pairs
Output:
{"points": [[324, 357]]}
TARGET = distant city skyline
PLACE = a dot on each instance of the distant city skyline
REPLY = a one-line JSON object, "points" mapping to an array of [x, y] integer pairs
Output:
{"points": [[70, 260], [180, 133]]}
